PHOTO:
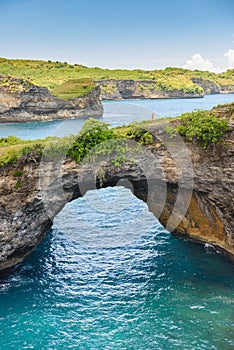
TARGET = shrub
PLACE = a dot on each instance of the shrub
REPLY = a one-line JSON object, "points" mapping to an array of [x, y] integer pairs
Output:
{"points": [[92, 133], [137, 133], [203, 126]]}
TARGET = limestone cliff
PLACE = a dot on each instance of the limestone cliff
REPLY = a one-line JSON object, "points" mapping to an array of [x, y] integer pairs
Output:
{"points": [[21, 101], [208, 86], [130, 89], [189, 189]]}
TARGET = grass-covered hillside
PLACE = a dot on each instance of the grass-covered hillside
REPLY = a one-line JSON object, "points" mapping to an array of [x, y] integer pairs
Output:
{"points": [[73, 88], [53, 74]]}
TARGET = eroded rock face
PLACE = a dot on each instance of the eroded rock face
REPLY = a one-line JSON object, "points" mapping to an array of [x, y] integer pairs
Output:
{"points": [[189, 189], [130, 89], [209, 87], [35, 103]]}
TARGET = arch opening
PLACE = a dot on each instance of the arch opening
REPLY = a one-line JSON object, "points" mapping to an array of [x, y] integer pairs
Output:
{"points": [[109, 217]]}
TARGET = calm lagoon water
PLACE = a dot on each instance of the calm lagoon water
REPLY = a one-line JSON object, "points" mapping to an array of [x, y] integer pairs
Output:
{"points": [[109, 276], [116, 113]]}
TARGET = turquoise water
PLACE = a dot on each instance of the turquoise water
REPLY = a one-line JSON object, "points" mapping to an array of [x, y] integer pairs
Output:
{"points": [[152, 292], [109, 276]]}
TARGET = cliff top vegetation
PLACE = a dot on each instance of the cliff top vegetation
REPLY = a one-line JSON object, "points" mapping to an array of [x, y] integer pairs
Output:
{"points": [[53, 74], [204, 127]]}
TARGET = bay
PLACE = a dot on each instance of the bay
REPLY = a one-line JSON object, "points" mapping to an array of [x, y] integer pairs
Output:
{"points": [[145, 290], [116, 113]]}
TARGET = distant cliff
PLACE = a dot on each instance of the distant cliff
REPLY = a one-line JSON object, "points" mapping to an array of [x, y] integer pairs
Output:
{"points": [[209, 87], [130, 89], [170, 82], [21, 101]]}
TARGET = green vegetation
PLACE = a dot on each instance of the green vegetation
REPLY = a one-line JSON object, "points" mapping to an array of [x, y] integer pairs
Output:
{"points": [[97, 139], [203, 126], [18, 174], [74, 88], [10, 140], [108, 88], [54, 74], [14, 84], [52, 148], [135, 131], [92, 134]]}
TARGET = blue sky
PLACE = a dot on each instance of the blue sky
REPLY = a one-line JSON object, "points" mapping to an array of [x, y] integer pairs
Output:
{"points": [[148, 34]]}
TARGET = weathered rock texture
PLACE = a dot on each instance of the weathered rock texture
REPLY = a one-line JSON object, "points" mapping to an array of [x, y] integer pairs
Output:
{"points": [[189, 189], [210, 87], [130, 89], [20, 103], [127, 89]]}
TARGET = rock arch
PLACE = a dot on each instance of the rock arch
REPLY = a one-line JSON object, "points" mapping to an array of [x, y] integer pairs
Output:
{"points": [[198, 207]]}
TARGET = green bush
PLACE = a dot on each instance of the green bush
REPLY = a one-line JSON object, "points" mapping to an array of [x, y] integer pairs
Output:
{"points": [[50, 74], [202, 126], [137, 133], [92, 133], [10, 140]]}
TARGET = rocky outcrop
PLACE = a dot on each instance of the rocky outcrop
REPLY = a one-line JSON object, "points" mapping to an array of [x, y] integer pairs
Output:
{"points": [[130, 89], [190, 190], [25, 103], [208, 86], [140, 89]]}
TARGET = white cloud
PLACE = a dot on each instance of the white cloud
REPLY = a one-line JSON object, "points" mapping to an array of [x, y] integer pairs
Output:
{"points": [[230, 56], [198, 62]]}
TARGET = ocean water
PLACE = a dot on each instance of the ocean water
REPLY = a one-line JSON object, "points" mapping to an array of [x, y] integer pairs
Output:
{"points": [[109, 276], [116, 113]]}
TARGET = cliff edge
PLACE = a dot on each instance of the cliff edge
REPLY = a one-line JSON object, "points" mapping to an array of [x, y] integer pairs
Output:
{"points": [[189, 189], [139, 89], [21, 101]]}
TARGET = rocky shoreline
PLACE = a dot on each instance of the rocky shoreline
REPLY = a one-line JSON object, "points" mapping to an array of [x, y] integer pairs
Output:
{"points": [[29, 103]]}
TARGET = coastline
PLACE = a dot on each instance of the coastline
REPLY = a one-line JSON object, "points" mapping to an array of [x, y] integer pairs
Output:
{"points": [[31, 195]]}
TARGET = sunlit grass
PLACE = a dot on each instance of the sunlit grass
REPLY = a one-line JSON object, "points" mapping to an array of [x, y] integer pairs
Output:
{"points": [[52, 74]]}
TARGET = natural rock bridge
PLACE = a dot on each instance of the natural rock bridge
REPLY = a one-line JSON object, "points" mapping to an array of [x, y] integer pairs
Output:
{"points": [[188, 189]]}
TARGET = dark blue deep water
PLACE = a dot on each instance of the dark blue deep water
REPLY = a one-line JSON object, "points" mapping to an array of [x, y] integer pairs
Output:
{"points": [[109, 276]]}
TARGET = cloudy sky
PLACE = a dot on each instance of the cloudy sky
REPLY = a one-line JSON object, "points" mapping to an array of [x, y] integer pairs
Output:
{"points": [[147, 34]]}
